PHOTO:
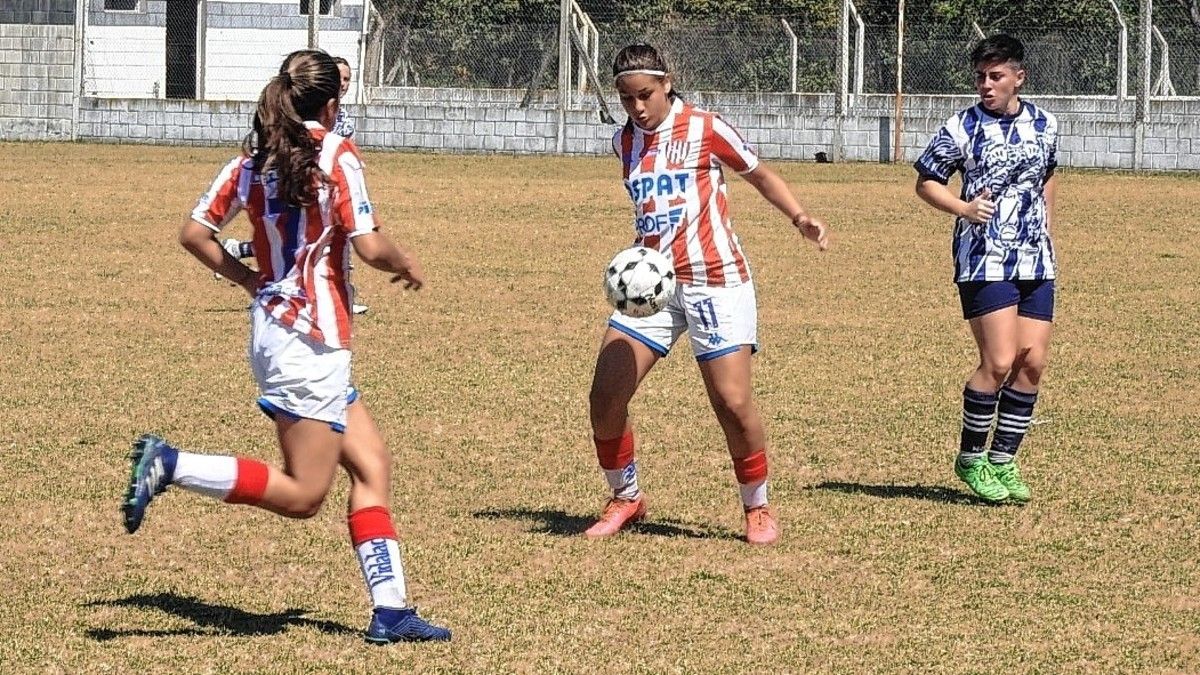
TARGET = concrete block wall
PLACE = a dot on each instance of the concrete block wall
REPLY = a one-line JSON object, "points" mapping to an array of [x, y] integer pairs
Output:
{"points": [[37, 80], [1094, 133], [168, 122]]}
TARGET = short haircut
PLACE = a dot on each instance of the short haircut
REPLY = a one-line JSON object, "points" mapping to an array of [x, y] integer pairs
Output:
{"points": [[999, 48], [341, 62]]}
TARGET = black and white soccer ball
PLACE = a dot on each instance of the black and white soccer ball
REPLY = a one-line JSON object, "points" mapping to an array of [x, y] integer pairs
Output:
{"points": [[639, 281]]}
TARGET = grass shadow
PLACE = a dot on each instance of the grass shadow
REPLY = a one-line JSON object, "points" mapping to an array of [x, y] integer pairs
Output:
{"points": [[933, 493], [210, 619], [562, 524]]}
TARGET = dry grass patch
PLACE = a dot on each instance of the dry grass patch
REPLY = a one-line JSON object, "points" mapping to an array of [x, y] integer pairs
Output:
{"points": [[480, 384]]}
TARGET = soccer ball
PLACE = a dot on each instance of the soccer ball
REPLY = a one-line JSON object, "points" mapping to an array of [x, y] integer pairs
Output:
{"points": [[639, 281]]}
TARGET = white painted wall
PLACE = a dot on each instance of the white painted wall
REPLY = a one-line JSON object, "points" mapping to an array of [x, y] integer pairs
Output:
{"points": [[240, 61], [125, 62]]}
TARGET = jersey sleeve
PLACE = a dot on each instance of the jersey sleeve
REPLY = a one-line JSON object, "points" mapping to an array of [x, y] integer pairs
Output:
{"points": [[730, 148], [943, 156], [356, 215], [1051, 145], [221, 203]]}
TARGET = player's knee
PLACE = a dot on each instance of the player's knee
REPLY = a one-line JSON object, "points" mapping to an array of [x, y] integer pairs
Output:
{"points": [[997, 368], [1032, 367], [305, 506], [735, 407]]}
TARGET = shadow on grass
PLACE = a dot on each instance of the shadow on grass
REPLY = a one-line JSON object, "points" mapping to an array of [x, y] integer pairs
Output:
{"points": [[562, 524], [210, 619], [933, 493]]}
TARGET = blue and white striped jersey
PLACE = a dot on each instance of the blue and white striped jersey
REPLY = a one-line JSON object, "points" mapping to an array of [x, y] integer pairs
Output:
{"points": [[1012, 156], [343, 125]]}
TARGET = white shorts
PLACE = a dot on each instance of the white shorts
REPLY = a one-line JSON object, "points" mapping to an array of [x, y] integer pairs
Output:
{"points": [[718, 321], [296, 376]]}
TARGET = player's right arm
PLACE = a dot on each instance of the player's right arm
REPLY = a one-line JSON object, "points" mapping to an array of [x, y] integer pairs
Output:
{"points": [[937, 195], [215, 209], [940, 160]]}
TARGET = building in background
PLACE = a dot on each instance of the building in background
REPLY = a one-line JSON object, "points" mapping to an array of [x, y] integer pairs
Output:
{"points": [[218, 50]]}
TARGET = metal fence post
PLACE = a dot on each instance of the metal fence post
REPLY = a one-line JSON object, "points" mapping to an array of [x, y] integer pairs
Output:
{"points": [[897, 152], [859, 46], [201, 47], [838, 149], [314, 11], [77, 68], [795, 49], [1122, 54], [1145, 11], [564, 73]]}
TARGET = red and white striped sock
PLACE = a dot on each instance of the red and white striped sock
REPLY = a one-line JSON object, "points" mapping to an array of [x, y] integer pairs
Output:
{"points": [[236, 480], [751, 472], [378, 551], [616, 458]]}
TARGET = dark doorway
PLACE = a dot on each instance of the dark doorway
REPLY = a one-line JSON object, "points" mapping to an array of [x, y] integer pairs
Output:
{"points": [[181, 48]]}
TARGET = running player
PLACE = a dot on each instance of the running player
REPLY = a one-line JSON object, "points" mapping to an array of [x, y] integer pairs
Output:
{"points": [[672, 155], [342, 126], [306, 198], [1003, 258]]}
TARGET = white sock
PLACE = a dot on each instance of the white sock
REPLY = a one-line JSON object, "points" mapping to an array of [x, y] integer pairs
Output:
{"points": [[753, 494], [623, 481], [211, 475], [383, 572]]}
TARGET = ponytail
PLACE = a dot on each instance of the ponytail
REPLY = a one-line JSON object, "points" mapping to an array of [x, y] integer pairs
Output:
{"points": [[280, 143]]}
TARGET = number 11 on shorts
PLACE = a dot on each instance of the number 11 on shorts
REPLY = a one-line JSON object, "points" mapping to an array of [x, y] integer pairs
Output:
{"points": [[706, 312]]}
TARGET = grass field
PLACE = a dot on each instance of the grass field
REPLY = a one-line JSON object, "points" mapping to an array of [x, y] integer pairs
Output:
{"points": [[480, 384]]}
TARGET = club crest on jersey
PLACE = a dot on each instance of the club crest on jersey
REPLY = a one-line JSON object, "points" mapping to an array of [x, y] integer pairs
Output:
{"points": [[677, 153]]}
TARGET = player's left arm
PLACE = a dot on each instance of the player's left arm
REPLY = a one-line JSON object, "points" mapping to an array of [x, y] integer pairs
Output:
{"points": [[776, 191], [1049, 191]]}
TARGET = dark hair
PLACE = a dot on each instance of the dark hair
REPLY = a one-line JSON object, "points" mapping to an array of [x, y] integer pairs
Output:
{"points": [[341, 62], [641, 56], [999, 48], [280, 143]]}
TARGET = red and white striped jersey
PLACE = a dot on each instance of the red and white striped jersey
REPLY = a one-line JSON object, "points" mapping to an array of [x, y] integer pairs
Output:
{"points": [[303, 253], [680, 201]]}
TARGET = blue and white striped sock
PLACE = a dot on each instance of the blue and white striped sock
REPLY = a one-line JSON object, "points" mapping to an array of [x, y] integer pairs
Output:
{"points": [[979, 410], [1015, 414]]}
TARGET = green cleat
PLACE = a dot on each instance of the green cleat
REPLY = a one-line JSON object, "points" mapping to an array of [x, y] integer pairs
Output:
{"points": [[1009, 476], [980, 477]]}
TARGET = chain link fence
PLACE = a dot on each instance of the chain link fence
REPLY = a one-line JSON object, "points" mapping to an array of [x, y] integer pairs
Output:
{"points": [[757, 55], [178, 49]]}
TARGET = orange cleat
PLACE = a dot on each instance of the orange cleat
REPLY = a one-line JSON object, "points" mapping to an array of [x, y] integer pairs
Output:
{"points": [[761, 528], [617, 514]]}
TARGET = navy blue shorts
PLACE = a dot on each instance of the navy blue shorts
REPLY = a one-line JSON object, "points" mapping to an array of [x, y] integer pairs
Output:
{"points": [[1034, 298]]}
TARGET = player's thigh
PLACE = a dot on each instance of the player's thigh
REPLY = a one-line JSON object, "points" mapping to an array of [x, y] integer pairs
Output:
{"points": [[364, 453], [1033, 338], [727, 379], [995, 335], [621, 365]]}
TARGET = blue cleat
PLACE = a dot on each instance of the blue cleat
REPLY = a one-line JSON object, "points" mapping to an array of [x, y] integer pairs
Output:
{"points": [[402, 625], [151, 465]]}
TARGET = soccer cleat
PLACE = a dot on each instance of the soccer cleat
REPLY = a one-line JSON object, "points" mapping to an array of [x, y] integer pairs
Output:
{"points": [[358, 309], [402, 625], [1010, 477], [148, 476], [761, 527], [617, 514], [982, 480]]}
